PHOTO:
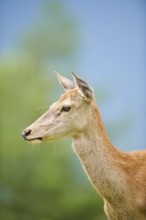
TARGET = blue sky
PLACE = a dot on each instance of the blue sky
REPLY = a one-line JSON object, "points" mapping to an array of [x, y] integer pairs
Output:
{"points": [[111, 54]]}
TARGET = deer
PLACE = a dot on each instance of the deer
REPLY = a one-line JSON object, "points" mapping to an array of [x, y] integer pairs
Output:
{"points": [[118, 177]]}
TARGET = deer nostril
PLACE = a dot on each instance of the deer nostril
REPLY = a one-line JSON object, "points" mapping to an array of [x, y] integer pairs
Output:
{"points": [[27, 132]]}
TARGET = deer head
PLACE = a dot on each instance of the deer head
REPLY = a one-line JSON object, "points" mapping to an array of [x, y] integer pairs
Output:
{"points": [[66, 117]]}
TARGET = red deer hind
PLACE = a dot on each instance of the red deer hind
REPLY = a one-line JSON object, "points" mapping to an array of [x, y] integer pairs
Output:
{"points": [[119, 177]]}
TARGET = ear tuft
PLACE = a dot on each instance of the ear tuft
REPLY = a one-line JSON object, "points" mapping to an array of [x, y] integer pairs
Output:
{"points": [[83, 87], [66, 83]]}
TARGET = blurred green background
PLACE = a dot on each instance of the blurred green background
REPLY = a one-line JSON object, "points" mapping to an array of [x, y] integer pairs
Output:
{"points": [[44, 182]]}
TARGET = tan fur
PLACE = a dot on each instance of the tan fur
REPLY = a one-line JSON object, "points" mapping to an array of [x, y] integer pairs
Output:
{"points": [[120, 178]]}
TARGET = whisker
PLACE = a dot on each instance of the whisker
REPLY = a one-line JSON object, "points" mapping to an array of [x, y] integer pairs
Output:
{"points": [[54, 147]]}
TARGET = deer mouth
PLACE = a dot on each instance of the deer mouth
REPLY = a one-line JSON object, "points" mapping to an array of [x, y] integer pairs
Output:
{"points": [[37, 140], [33, 139]]}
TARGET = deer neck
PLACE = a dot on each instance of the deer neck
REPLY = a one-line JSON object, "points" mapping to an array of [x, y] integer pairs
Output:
{"points": [[99, 158]]}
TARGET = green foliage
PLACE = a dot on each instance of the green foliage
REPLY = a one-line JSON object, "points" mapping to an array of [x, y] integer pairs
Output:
{"points": [[42, 182], [53, 36], [37, 182]]}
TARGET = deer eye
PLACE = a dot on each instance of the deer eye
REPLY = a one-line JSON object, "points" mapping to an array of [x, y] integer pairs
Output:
{"points": [[66, 108]]}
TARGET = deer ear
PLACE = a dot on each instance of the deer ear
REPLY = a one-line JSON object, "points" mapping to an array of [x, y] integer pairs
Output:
{"points": [[66, 83], [84, 88]]}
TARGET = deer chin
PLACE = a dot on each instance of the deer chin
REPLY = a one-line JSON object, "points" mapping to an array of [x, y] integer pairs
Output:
{"points": [[38, 140]]}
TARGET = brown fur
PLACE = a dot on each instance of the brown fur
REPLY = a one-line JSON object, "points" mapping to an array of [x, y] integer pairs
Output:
{"points": [[120, 178]]}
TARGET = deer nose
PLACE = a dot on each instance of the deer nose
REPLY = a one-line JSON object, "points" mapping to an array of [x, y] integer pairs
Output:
{"points": [[26, 133]]}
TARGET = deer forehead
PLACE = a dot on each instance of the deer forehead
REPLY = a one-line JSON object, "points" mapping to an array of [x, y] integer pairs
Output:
{"points": [[58, 104], [71, 97]]}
